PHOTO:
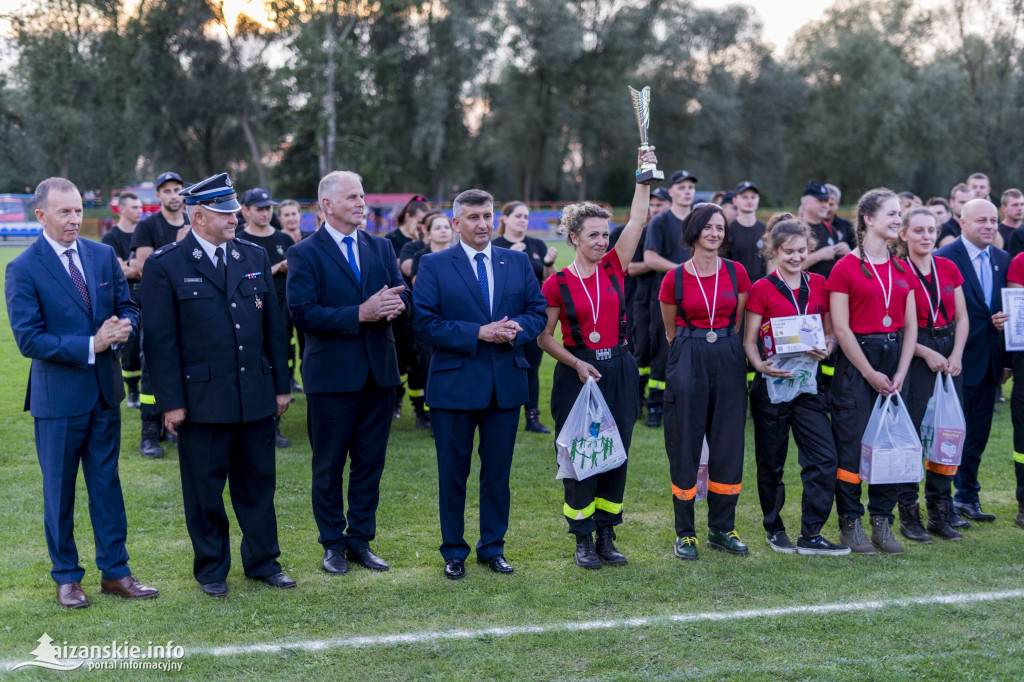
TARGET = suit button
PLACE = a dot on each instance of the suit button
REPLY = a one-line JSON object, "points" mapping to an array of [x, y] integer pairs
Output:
{"points": [[238, 326], [239, 348], [195, 293], [242, 370], [234, 305], [188, 376]]}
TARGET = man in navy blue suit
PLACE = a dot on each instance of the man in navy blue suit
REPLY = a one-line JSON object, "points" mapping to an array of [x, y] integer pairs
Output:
{"points": [[984, 268], [344, 290], [68, 304], [476, 305]]}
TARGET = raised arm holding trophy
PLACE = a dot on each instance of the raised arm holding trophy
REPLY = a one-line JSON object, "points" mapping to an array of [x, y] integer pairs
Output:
{"points": [[648, 173]]}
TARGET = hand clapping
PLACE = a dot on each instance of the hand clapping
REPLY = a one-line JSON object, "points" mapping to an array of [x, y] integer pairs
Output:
{"points": [[385, 304], [501, 331]]}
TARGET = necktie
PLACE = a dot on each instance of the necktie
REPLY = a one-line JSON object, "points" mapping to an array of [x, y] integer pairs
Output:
{"points": [[481, 274], [986, 277], [222, 267], [79, 280], [351, 256]]}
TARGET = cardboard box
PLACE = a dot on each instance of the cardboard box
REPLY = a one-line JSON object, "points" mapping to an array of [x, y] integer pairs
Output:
{"points": [[890, 465], [947, 447], [792, 335]]}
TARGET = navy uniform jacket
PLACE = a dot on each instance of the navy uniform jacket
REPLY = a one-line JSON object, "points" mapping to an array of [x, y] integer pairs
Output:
{"points": [[984, 342], [52, 326], [449, 311], [219, 352], [324, 297]]}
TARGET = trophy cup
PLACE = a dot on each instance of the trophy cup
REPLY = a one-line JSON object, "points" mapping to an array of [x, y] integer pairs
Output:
{"points": [[649, 173]]}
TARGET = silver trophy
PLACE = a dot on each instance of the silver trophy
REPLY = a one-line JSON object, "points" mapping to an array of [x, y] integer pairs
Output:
{"points": [[649, 173]]}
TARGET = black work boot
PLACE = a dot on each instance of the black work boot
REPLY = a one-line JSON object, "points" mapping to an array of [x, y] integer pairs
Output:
{"points": [[585, 555], [606, 548], [910, 523], [1019, 519], [133, 393], [938, 522], [422, 416], [150, 441], [533, 422], [653, 417]]}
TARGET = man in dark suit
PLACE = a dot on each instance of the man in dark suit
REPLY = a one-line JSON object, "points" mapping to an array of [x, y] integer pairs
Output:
{"points": [[344, 290], [217, 353], [476, 305], [984, 268], [68, 304]]}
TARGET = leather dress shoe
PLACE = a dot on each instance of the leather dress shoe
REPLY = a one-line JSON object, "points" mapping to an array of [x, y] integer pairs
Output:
{"points": [[128, 587], [218, 588], [454, 569], [367, 559], [281, 580], [972, 511], [334, 561], [497, 564], [71, 596]]}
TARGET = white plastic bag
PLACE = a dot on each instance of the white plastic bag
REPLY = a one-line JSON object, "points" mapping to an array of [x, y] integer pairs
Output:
{"points": [[804, 380], [589, 442], [890, 451], [943, 427]]}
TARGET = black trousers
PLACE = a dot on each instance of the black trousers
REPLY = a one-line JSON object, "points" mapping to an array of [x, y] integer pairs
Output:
{"points": [[979, 401], [917, 390], [706, 395], [659, 355], [596, 502], [534, 355], [853, 398], [242, 455], [149, 410], [1017, 416], [806, 415], [639, 334], [351, 427]]}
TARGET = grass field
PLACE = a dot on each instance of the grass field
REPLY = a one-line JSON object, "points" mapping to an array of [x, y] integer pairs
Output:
{"points": [[725, 634]]}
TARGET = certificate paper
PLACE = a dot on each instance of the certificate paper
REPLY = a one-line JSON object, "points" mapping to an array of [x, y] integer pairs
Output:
{"points": [[1013, 306]]}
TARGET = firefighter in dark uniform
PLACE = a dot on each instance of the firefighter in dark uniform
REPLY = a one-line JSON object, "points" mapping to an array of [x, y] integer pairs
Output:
{"points": [[119, 238], [702, 302], [587, 297], [790, 291], [218, 361]]}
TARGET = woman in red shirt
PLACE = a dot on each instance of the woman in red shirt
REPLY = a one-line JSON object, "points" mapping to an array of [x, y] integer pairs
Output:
{"points": [[874, 316], [705, 394], [942, 327], [791, 291], [587, 299], [1015, 280]]}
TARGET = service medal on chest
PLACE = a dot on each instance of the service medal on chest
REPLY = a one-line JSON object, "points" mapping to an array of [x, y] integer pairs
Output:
{"points": [[259, 303]]}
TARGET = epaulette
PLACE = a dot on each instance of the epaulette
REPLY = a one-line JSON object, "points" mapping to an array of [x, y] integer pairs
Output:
{"points": [[167, 248], [239, 240]]}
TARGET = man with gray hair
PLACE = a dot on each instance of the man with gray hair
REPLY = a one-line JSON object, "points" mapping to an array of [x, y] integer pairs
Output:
{"points": [[344, 292], [841, 225]]}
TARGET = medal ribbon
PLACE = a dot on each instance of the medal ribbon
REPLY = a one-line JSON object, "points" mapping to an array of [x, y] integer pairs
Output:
{"points": [[714, 303], [886, 295], [593, 311], [934, 300]]}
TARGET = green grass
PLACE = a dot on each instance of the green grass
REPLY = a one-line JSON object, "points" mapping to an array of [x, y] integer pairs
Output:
{"points": [[977, 641]]}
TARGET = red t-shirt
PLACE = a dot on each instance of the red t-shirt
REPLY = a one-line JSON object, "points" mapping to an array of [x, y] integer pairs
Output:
{"points": [[768, 302], [867, 302], [697, 310], [949, 279], [1016, 272], [608, 313]]}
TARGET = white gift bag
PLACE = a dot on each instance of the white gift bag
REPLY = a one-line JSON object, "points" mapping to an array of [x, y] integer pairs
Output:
{"points": [[589, 441], [943, 427], [890, 451], [804, 380]]}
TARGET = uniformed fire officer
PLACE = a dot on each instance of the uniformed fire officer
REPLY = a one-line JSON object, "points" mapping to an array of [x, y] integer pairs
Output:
{"points": [[218, 361]]}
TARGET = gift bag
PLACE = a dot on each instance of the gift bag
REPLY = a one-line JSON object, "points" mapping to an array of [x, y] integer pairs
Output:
{"points": [[702, 472], [589, 441], [890, 451], [804, 380], [943, 427]]}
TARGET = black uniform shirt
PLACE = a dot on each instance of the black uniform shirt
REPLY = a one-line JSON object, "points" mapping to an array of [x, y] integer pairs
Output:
{"points": [[397, 239], [828, 235], [745, 247], [950, 228], [665, 236], [536, 249], [121, 242], [276, 246], [154, 231]]}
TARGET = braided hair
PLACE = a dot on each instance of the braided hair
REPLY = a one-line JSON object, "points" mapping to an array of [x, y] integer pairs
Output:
{"points": [[869, 205]]}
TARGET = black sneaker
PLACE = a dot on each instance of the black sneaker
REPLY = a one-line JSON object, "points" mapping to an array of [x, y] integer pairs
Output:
{"points": [[780, 542], [819, 545]]}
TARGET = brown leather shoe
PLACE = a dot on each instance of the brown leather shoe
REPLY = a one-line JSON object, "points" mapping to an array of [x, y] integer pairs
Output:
{"points": [[70, 596], [128, 587]]}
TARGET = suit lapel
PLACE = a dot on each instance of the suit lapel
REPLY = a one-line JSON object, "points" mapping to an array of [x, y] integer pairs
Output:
{"points": [[235, 267], [91, 272], [967, 270], [465, 270], [333, 250], [51, 263], [367, 259], [500, 268]]}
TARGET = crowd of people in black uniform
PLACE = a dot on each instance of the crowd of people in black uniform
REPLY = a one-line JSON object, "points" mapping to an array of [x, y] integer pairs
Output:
{"points": [[663, 312]]}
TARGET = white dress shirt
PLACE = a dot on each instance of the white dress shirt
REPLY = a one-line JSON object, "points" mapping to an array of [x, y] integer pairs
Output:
{"points": [[339, 238], [471, 254], [209, 249], [60, 249]]}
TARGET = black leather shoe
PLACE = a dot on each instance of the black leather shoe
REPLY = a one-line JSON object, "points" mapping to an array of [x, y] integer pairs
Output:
{"points": [[454, 569], [956, 521], [334, 562], [973, 511], [497, 564], [367, 559], [281, 580], [215, 589], [150, 449]]}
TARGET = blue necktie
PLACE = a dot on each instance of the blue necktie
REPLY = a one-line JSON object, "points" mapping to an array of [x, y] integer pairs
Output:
{"points": [[351, 256], [481, 274], [986, 277]]}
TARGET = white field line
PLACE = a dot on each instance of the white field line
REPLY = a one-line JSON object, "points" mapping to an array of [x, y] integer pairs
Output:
{"points": [[428, 636]]}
